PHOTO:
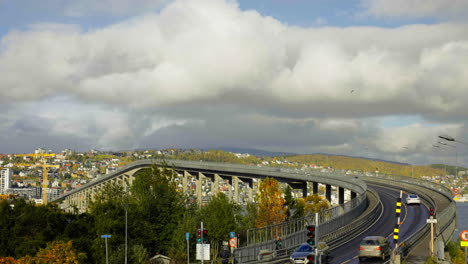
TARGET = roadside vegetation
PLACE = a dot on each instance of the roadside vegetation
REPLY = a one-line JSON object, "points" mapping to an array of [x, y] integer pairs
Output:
{"points": [[159, 216]]}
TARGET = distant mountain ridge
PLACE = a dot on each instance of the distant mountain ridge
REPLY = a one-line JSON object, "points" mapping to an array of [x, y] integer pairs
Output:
{"points": [[256, 152], [259, 152]]}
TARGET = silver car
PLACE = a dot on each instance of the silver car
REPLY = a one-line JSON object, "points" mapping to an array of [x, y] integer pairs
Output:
{"points": [[413, 199], [374, 247]]}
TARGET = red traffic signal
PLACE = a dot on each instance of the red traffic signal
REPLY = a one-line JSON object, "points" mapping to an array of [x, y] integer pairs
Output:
{"points": [[431, 211], [310, 259], [311, 235]]}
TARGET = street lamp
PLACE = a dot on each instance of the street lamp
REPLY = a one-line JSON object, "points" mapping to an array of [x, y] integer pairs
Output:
{"points": [[412, 168], [456, 152], [443, 160], [449, 138], [126, 230]]}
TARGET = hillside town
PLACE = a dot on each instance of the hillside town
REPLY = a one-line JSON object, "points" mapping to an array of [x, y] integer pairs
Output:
{"points": [[23, 174]]}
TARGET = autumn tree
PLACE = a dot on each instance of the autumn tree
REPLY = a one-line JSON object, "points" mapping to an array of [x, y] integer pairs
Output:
{"points": [[7, 260], [313, 204], [59, 252], [271, 208]]}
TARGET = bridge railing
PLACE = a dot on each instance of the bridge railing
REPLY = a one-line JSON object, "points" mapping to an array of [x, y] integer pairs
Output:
{"points": [[446, 217]]}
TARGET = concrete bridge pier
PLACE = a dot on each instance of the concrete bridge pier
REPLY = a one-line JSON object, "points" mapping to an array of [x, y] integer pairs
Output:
{"points": [[328, 191], [300, 186], [315, 187], [341, 192], [249, 189], [199, 192]]}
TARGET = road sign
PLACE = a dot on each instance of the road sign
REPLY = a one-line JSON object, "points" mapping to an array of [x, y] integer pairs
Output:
{"points": [[464, 243], [206, 251], [431, 221], [187, 236], [464, 235], [455, 191], [232, 234], [106, 236], [233, 242]]}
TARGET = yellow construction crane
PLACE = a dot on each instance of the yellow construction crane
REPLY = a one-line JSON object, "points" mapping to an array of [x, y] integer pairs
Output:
{"points": [[45, 171]]}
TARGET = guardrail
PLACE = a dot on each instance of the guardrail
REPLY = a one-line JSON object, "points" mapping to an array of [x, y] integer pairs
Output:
{"points": [[446, 219], [327, 231]]}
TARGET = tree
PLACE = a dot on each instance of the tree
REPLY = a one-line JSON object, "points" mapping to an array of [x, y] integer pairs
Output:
{"points": [[220, 217], [313, 204], [108, 213], [59, 252], [271, 208], [293, 208], [157, 207]]}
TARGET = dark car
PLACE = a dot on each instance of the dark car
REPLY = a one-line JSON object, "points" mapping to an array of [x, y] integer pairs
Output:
{"points": [[300, 255]]}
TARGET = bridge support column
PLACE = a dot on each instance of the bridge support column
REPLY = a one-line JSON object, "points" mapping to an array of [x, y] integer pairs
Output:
{"points": [[315, 188], [200, 181], [328, 191], [215, 189], [353, 195], [300, 185], [340, 195], [235, 185], [185, 181], [249, 190]]}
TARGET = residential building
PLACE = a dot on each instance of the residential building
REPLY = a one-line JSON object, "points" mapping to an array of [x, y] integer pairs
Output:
{"points": [[5, 180]]}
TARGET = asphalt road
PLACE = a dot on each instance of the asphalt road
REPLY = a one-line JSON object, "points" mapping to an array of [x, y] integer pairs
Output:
{"points": [[413, 217]]}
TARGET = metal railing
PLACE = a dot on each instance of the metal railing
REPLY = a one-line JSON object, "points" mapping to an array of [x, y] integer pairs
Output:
{"points": [[446, 218]]}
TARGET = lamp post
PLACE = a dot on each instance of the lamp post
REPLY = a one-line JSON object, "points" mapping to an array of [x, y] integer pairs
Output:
{"points": [[452, 139], [126, 231], [412, 168], [443, 160], [456, 156]]}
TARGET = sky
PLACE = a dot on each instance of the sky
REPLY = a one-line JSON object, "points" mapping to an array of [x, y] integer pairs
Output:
{"points": [[370, 78]]}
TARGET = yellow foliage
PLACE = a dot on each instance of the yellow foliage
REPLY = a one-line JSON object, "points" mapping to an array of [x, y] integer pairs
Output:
{"points": [[271, 209], [314, 204]]}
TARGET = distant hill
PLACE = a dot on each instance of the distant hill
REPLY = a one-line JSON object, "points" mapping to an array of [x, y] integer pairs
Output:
{"points": [[450, 169], [256, 152]]}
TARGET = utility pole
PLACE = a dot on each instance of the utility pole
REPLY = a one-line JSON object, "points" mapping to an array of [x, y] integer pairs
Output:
{"points": [[126, 231], [202, 244]]}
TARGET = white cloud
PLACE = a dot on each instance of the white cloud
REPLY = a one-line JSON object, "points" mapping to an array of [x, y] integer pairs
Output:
{"points": [[414, 138], [209, 51], [212, 74], [447, 9]]}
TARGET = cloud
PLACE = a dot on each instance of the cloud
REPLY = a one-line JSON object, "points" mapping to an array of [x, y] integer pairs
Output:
{"points": [[111, 7], [210, 51], [204, 73], [451, 10]]}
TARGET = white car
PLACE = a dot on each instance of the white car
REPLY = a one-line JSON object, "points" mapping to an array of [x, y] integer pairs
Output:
{"points": [[413, 199]]}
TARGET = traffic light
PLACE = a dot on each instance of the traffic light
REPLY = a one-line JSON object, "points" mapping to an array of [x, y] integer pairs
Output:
{"points": [[431, 211], [202, 236], [311, 235], [199, 236], [205, 236], [310, 259]]}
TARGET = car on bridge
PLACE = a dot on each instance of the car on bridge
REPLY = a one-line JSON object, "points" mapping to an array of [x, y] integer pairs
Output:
{"points": [[304, 251], [374, 247], [413, 199]]}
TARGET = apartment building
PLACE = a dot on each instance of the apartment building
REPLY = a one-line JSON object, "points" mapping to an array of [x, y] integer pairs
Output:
{"points": [[5, 180]]}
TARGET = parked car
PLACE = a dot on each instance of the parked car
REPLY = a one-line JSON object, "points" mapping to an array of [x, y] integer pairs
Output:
{"points": [[413, 199], [304, 250], [374, 247]]}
